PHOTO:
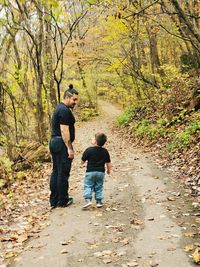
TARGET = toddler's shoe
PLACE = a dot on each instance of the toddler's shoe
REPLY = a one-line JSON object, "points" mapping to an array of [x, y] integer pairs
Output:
{"points": [[99, 204], [87, 204]]}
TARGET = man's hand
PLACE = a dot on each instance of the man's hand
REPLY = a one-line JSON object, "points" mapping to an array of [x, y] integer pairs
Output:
{"points": [[71, 153]]}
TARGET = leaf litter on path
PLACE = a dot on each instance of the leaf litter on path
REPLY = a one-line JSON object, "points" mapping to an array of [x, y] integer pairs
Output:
{"points": [[25, 212]]}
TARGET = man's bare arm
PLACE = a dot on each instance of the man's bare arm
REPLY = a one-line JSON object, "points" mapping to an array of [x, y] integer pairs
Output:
{"points": [[66, 138]]}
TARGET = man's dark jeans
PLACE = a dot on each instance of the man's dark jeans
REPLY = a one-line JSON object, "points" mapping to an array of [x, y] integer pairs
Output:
{"points": [[59, 184]]}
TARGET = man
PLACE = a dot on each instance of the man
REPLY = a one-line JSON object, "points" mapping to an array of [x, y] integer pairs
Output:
{"points": [[62, 137]]}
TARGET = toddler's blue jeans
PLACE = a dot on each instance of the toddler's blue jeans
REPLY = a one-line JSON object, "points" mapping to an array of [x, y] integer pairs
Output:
{"points": [[93, 182]]}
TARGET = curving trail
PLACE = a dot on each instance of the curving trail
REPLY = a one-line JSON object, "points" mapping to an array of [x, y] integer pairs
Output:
{"points": [[138, 225]]}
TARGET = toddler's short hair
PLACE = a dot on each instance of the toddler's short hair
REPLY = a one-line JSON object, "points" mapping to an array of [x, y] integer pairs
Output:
{"points": [[100, 138]]}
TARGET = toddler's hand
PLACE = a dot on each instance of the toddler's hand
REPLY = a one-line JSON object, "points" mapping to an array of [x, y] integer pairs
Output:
{"points": [[71, 154]]}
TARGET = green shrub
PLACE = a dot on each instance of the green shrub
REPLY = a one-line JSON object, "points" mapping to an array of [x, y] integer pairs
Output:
{"points": [[170, 147], [6, 173], [127, 116], [151, 131], [87, 113], [194, 127], [184, 138], [123, 119]]}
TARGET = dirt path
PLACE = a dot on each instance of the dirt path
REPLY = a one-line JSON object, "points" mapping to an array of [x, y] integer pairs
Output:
{"points": [[133, 228]]}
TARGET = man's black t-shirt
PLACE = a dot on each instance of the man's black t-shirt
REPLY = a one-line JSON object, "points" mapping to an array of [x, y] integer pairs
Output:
{"points": [[62, 115], [96, 158]]}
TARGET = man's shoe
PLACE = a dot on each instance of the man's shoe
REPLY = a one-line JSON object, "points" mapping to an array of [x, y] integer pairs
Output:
{"points": [[87, 204], [69, 202], [99, 204]]}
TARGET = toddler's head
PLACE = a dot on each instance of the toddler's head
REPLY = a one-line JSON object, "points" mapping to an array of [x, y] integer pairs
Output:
{"points": [[100, 139]]}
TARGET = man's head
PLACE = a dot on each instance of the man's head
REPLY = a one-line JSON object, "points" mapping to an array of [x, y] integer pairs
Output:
{"points": [[100, 139], [70, 97]]}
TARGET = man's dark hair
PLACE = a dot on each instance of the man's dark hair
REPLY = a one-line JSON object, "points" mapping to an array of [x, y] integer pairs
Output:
{"points": [[100, 138], [70, 91]]}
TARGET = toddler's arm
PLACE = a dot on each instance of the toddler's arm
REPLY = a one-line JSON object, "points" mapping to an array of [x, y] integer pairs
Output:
{"points": [[108, 167], [82, 163]]}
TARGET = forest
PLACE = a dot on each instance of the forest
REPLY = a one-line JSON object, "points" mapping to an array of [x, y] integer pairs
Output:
{"points": [[142, 56]]}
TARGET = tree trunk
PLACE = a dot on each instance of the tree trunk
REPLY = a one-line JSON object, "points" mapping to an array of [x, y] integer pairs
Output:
{"points": [[84, 82], [194, 35], [48, 60], [155, 61], [39, 80]]}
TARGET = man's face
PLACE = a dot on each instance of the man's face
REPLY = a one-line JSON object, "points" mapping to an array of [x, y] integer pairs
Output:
{"points": [[72, 101]]}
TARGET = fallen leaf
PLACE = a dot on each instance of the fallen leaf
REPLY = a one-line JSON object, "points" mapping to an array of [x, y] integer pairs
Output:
{"points": [[130, 264], [172, 249], [10, 255], [164, 237], [98, 254], [106, 261], [177, 194], [114, 209], [171, 198], [190, 234], [124, 241], [64, 251], [196, 256], [93, 246], [122, 253], [197, 220], [189, 248], [150, 219], [107, 252], [64, 243], [154, 264], [136, 221], [40, 246], [22, 238], [99, 214]]}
